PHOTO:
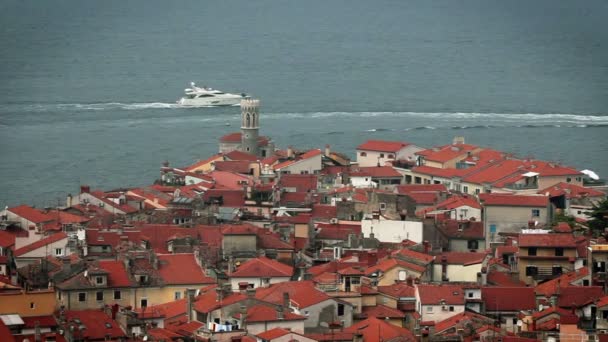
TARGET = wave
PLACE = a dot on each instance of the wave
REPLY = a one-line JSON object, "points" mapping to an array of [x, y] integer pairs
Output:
{"points": [[103, 106], [523, 117]]}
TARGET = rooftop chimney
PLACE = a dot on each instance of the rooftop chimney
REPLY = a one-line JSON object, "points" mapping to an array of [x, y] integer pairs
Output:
{"points": [[85, 189], [327, 150], [286, 300], [289, 152], [190, 303], [280, 312]]}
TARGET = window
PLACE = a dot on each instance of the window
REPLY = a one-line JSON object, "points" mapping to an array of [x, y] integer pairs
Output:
{"points": [[306, 313], [117, 295], [429, 309], [99, 296], [531, 250], [568, 179], [340, 309], [465, 189], [143, 302], [605, 314], [391, 156], [559, 251], [535, 212], [531, 270], [363, 154], [178, 295], [514, 321], [99, 280], [82, 297], [470, 294], [451, 308], [578, 179], [472, 244], [381, 155], [32, 305], [477, 191], [58, 251], [382, 206], [585, 282], [556, 270]]}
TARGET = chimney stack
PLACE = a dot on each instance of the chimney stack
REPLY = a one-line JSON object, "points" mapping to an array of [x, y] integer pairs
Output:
{"points": [[289, 152], [85, 189], [286, 300], [190, 303], [427, 246], [280, 312]]}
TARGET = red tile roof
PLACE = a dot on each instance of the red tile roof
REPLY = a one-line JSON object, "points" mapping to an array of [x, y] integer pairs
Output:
{"points": [[6, 239], [388, 263], [425, 198], [302, 157], [238, 155], [503, 279], [239, 229], [233, 198], [462, 319], [578, 296], [447, 152], [382, 146], [398, 290], [411, 255], [168, 310], [272, 240], [302, 183], [323, 211], [238, 166], [117, 273], [508, 298], [461, 258], [571, 191], [462, 229], [235, 137], [208, 301], [263, 313], [336, 231], [409, 188], [373, 329], [43, 321], [547, 240], [434, 294], [551, 287], [262, 267], [513, 200], [302, 293], [230, 180], [382, 312], [181, 269], [271, 334], [496, 172], [40, 243], [375, 172], [98, 325], [31, 214]]}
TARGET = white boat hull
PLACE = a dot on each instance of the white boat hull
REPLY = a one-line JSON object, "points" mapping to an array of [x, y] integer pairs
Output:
{"points": [[213, 101]]}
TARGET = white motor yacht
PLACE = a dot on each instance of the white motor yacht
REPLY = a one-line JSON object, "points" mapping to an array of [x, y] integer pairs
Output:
{"points": [[205, 96]]}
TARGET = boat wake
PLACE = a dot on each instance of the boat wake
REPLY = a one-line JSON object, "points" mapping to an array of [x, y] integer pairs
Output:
{"points": [[105, 106]]}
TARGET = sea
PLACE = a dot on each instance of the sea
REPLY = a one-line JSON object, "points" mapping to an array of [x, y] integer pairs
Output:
{"points": [[88, 88]]}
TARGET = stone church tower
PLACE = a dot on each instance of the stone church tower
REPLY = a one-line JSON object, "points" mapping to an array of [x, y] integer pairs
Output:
{"points": [[250, 125]]}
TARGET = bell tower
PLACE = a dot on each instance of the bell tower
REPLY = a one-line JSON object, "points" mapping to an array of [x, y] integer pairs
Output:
{"points": [[250, 125]]}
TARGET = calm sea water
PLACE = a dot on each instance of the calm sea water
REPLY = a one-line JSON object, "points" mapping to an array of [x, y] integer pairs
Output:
{"points": [[88, 88]]}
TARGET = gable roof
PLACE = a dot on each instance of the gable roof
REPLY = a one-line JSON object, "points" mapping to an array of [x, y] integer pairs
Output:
{"points": [[6, 239], [513, 200], [571, 191], [181, 269], [40, 243], [547, 240], [31, 214], [577, 296], [398, 290], [262, 267], [552, 287], [382, 146], [264, 313], [302, 157], [508, 298], [301, 293], [447, 152], [375, 172], [98, 325], [389, 263], [461, 258], [374, 329], [439, 294]]}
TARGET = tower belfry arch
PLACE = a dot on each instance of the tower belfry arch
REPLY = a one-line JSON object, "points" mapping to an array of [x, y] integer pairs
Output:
{"points": [[250, 116]]}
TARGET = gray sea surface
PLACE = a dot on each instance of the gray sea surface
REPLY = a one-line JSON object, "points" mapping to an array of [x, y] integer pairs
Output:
{"points": [[88, 88]]}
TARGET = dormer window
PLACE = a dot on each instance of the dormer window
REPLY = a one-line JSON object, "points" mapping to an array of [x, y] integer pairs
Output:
{"points": [[99, 280]]}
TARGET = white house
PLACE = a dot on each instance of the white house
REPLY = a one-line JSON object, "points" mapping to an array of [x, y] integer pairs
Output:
{"points": [[439, 302], [378, 152], [391, 230], [458, 266], [307, 163], [259, 272], [54, 245]]}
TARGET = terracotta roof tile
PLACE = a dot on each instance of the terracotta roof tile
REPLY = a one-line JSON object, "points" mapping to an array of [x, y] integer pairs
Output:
{"points": [[373, 329], [434, 294], [302, 293], [31, 214], [181, 269], [375, 172], [382, 146], [513, 200], [508, 298], [577, 296], [461, 258], [447, 152], [262, 267], [98, 325], [398, 290], [263, 313], [547, 240]]}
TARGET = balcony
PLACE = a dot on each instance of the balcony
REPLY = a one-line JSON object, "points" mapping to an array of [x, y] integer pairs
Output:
{"points": [[545, 273], [516, 186]]}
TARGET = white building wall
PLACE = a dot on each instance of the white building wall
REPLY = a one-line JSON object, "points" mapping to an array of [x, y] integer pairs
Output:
{"points": [[438, 313], [392, 231], [363, 182], [307, 166], [373, 158], [457, 272], [257, 282], [260, 327], [466, 212]]}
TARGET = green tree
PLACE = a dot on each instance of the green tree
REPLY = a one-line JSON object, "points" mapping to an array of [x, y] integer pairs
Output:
{"points": [[599, 217]]}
